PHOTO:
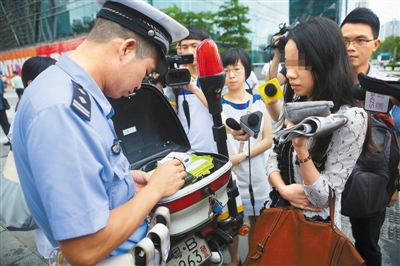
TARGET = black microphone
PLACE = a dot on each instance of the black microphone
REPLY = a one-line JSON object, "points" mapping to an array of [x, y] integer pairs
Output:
{"points": [[253, 119], [232, 123], [251, 123], [270, 90]]}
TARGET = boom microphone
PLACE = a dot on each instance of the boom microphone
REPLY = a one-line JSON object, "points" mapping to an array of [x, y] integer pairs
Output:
{"points": [[270, 91], [390, 86], [372, 101], [232, 123]]}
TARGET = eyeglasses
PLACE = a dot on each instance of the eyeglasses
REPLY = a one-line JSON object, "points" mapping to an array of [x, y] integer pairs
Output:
{"points": [[357, 42], [235, 70]]}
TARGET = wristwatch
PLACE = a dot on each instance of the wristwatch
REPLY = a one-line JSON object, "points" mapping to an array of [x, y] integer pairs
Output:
{"points": [[247, 156]]}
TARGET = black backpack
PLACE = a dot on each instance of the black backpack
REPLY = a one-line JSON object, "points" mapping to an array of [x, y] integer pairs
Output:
{"points": [[374, 178]]}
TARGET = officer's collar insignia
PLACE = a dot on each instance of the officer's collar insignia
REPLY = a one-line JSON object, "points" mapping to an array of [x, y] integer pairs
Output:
{"points": [[81, 101]]}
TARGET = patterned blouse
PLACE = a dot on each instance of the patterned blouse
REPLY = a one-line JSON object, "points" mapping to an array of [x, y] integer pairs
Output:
{"points": [[342, 154]]}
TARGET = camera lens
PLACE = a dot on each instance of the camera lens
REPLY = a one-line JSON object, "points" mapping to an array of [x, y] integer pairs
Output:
{"points": [[175, 77]]}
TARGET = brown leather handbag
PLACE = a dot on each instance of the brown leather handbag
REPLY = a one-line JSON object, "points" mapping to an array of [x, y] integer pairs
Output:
{"points": [[282, 236]]}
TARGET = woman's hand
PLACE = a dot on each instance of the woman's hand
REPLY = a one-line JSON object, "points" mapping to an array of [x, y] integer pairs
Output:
{"points": [[299, 142], [236, 159], [294, 193], [240, 135]]}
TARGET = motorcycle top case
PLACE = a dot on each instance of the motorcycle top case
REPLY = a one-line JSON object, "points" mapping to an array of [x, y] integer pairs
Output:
{"points": [[149, 129]]}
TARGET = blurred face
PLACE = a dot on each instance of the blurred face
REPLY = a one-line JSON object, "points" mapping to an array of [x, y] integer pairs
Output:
{"points": [[298, 74], [189, 47], [360, 45], [235, 76]]}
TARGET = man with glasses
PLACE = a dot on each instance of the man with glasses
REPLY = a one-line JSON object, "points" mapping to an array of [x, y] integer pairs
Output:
{"points": [[360, 30]]}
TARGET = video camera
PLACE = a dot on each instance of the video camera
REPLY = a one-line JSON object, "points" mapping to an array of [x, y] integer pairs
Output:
{"points": [[178, 76], [375, 92], [282, 41]]}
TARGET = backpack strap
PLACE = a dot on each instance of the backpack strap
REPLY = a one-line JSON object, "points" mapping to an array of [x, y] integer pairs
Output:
{"points": [[385, 117]]}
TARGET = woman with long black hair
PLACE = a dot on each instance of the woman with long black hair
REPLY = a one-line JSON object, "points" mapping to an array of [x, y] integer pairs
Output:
{"points": [[301, 170]]}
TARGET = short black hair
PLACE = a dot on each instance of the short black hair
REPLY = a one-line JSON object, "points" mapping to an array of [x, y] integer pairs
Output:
{"points": [[232, 55], [34, 66], [196, 33], [365, 16]]}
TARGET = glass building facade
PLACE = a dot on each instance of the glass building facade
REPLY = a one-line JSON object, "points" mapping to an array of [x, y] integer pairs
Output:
{"points": [[27, 23], [31, 22], [301, 10]]}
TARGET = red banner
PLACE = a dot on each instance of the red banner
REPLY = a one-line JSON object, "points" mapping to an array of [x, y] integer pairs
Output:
{"points": [[13, 60]]}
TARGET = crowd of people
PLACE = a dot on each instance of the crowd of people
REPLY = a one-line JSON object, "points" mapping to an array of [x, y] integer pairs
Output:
{"points": [[83, 200]]}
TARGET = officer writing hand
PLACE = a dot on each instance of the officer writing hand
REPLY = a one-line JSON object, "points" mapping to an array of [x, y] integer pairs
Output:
{"points": [[168, 178]]}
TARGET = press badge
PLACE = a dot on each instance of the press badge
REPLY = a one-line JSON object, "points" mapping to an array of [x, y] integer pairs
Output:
{"points": [[376, 102]]}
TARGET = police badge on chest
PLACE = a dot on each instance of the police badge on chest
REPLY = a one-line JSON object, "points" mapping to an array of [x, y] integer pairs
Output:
{"points": [[116, 147]]}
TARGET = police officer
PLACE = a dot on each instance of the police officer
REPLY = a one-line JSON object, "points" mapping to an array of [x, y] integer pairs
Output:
{"points": [[76, 182]]}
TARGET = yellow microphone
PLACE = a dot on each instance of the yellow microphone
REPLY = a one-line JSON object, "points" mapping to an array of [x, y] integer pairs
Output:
{"points": [[270, 91]]}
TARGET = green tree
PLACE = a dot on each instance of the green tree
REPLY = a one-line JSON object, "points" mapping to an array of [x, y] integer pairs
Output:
{"points": [[395, 48], [384, 47], [201, 19], [232, 19]]}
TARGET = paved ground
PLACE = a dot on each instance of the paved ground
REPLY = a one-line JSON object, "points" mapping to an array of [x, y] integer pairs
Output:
{"points": [[18, 248]]}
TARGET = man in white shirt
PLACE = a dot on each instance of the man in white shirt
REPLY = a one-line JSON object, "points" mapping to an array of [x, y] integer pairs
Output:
{"points": [[17, 84]]}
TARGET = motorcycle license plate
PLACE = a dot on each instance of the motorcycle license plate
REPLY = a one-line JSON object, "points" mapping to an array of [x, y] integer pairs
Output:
{"points": [[192, 251]]}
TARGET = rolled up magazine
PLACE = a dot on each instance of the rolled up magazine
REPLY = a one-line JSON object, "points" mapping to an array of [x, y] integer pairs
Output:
{"points": [[313, 126], [297, 111]]}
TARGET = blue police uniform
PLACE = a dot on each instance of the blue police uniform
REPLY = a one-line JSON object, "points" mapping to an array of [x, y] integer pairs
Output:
{"points": [[70, 183]]}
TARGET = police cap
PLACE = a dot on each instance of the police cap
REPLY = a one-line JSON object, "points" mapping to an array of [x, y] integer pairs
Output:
{"points": [[146, 20]]}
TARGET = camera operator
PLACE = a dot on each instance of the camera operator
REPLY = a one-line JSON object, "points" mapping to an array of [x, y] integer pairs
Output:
{"points": [[190, 102]]}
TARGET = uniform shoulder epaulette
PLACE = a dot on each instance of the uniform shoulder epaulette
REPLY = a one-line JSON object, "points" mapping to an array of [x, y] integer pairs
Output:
{"points": [[81, 101]]}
